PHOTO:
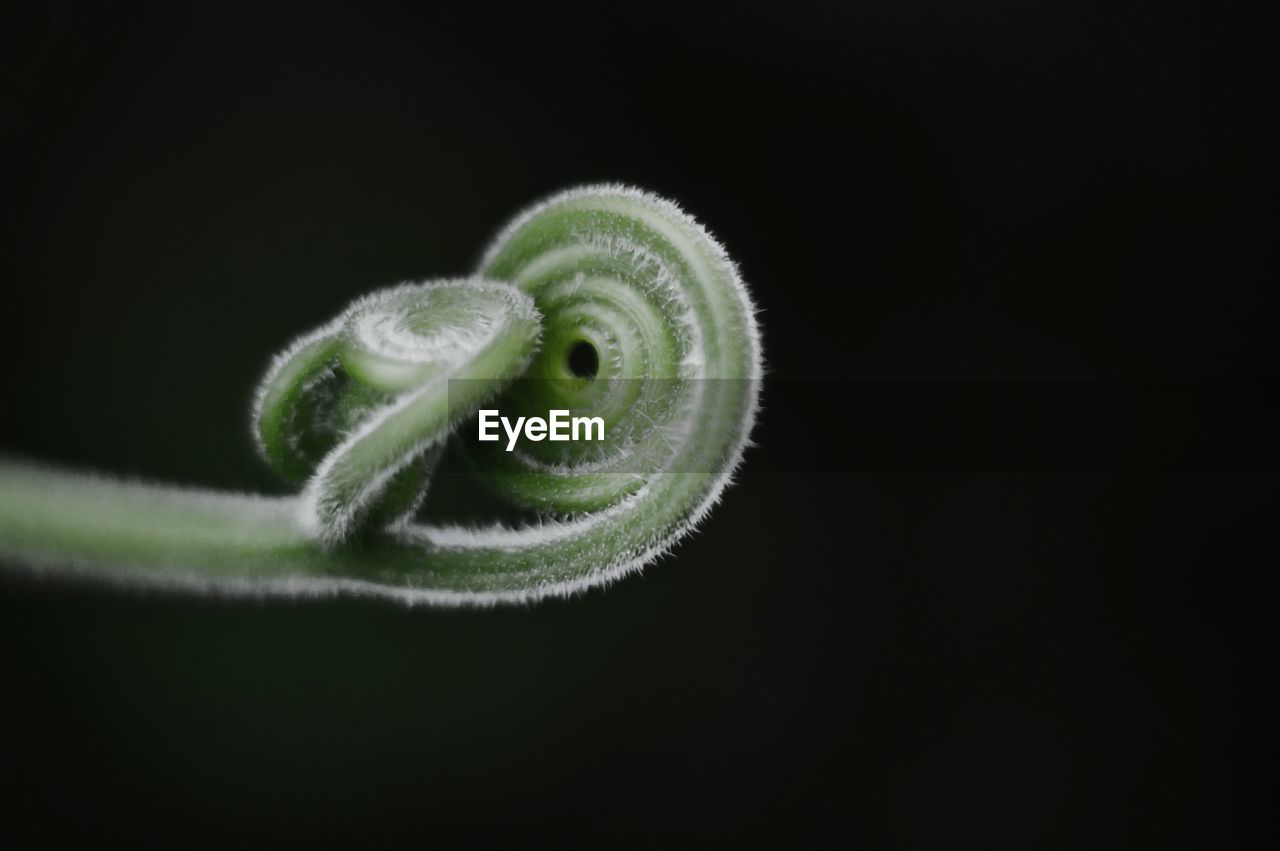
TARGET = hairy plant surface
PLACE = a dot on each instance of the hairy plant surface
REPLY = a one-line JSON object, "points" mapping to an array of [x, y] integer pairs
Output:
{"points": [[357, 411]]}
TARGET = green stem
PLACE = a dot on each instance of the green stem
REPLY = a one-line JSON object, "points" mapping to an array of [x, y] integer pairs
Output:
{"points": [[356, 407]]}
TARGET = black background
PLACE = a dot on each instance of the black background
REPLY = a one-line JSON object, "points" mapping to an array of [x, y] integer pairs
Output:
{"points": [[912, 189]]}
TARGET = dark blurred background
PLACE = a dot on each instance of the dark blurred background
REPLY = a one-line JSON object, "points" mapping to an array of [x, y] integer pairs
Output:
{"points": [[913, 190]]}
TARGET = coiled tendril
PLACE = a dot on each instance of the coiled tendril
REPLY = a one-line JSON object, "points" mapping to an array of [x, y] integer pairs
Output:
{"points": [[358, 410]]}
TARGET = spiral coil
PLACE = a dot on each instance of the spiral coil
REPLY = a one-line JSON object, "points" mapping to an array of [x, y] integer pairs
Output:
{"points": [[358, 411]]}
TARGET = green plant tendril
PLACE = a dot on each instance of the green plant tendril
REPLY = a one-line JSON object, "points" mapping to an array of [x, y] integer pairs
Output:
{"points": [[357, 411]]}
